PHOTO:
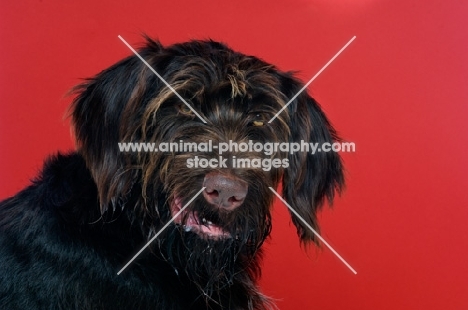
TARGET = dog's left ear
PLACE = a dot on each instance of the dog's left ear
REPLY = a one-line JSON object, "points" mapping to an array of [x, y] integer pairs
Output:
{"points": [[310, 179]]}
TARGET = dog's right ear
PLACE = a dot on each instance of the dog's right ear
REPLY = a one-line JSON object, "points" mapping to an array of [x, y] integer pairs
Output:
{"points": [[103, 112], [310, 179]]}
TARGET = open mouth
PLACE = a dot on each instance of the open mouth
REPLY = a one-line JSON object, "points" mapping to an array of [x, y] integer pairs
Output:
{"points": [[201, 226]]}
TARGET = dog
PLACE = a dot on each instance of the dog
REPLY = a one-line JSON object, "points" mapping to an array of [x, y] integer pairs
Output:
{"points": [[64, 238]]}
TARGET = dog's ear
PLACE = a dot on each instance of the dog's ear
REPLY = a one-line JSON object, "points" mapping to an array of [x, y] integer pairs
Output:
{"points": [[311, 179], [104, 110]]}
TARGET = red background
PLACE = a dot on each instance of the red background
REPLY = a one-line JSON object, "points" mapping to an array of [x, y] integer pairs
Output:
{"points": [[399, 92]]}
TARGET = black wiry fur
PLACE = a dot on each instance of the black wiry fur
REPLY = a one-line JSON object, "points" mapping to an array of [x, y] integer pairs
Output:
{"points": [[63, 239]]}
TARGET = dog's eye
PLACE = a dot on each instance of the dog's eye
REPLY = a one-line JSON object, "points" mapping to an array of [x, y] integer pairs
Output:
{"points": [[258, 121], [184, 109]]}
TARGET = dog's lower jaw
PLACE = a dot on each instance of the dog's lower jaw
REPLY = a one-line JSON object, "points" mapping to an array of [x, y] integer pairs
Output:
{"points": [[201, 226]]}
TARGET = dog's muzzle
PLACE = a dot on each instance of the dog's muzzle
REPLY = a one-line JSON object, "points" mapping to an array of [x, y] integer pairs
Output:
{"points": [[222, 191]]}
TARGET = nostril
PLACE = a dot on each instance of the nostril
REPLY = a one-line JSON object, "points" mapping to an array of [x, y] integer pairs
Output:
{"points": [[212, 193], [235, 199]]}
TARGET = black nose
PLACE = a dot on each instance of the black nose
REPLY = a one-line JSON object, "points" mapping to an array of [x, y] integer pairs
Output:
{"points": [[224, 191]]}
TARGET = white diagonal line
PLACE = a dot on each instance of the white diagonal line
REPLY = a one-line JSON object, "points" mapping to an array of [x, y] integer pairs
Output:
{"points": [[312, 79], [160, 231], [313, 230], [161, 78]]}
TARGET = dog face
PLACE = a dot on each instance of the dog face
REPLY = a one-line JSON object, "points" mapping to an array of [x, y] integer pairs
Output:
{"points": [[236, 95]]}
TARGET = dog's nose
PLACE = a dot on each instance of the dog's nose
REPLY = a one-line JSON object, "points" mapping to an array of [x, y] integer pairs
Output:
{"points": [[224, 191]]}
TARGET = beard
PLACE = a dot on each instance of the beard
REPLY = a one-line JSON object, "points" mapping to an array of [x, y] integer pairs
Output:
{"points": [[212, 265]]}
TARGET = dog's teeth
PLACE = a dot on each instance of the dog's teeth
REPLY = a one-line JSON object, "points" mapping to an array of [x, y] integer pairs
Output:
{"points": [[187, 228], [210, 223], [204, 220]]}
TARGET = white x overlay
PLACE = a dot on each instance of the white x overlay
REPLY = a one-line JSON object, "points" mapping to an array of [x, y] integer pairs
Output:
{"points": [[276, 115]]}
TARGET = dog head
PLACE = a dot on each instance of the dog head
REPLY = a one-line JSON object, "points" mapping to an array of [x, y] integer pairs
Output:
{"points": [[232, 97]]}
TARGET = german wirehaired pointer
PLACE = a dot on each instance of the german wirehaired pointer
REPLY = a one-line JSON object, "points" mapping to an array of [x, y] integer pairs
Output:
{"points": [[64, 238]]}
